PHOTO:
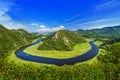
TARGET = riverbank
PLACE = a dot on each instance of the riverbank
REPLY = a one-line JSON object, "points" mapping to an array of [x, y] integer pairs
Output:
{"points": [[79, 49], [69, 61]]}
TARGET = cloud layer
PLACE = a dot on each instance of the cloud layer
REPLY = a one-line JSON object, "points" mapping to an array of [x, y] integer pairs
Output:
{"points": [[5, 19], [44, 29], [3, 15], [14, 25], [34, 24], [5, 6], [109, 4]]}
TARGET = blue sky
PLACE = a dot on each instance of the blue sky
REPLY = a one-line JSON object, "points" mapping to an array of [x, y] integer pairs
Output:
{"points": [[52, 15]]}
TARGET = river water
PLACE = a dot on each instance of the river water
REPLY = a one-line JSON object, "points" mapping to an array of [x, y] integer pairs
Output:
{"points": [[69, 61]]}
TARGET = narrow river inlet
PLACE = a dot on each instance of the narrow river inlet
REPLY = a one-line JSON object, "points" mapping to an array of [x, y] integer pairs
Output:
{"points": [[69, 61]]}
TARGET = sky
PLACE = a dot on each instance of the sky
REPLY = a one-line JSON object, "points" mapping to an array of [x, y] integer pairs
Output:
{"points": [[53, 15]]}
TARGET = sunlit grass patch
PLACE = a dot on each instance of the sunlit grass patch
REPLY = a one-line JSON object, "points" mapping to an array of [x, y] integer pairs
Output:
{"points": [[13, 59], [98, 43], [79, 49]]}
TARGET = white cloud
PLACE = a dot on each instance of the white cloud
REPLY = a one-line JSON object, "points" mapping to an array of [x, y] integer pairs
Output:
{"points": [[90, 22], [34, 24], [62, 27], [72, 18], [5, 18], [99, 21], [109, 4], [44, 29], [1, 13], [93, 22], [14, 25], [4, 8]]}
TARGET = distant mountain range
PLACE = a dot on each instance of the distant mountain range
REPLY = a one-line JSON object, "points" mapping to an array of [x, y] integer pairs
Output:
{"points": [[107, 32], [63, 40], [12, 39]]}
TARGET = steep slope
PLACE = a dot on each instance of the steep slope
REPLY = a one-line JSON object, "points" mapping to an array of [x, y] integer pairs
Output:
{"points": [[107, 32], [10, 40], [62, 40], [25, 35]]}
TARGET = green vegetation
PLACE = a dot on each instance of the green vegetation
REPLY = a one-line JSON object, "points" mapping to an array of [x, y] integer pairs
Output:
{"points": [[110, 61], [111, 41], [106, 66], [13, 39], [107, 32], [104, 69], [98, 43], [77, 50], [34, 71], [62, 40]]}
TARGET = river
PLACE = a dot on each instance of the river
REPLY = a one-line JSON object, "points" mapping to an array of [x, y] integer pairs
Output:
{"points": [[69, 61]]}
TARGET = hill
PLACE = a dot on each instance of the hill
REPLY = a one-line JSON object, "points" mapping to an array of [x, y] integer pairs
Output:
{"points": [[107, 32], [13, 39], [63, 40]]}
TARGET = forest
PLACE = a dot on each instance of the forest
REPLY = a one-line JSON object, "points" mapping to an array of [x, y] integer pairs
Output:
{"points": [[106, 66]]}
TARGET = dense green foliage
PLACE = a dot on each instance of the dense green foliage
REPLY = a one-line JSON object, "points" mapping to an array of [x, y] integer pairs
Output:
{"points": [[108, 42], [13, 39], [107, 32], [107, 66], [27, 72], [79, 49], [111, 41], [111, 61], [62, 40]]}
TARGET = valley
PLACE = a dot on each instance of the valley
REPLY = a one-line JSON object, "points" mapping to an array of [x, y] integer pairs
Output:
{"points": [[104, 65], [72, 60], [79, 49], [59, 39]]}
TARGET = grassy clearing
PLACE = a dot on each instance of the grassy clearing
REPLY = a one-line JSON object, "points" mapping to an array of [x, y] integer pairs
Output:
{"points": [[78, 50], [34, 40], [17, 69], [19, 62], [98, 43], [13, 59]]}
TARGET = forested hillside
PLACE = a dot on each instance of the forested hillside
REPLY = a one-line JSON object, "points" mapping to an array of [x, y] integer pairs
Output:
{"points": [[107, 66], [63, 40], [107, 32], [13, 39]]}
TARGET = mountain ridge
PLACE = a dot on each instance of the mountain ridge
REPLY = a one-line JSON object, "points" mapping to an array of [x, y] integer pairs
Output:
{"points": [[106, 32], [63, 40], [13, 39]]}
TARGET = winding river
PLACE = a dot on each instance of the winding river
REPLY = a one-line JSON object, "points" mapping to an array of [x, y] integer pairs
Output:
{"points": [[69, 61]]}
